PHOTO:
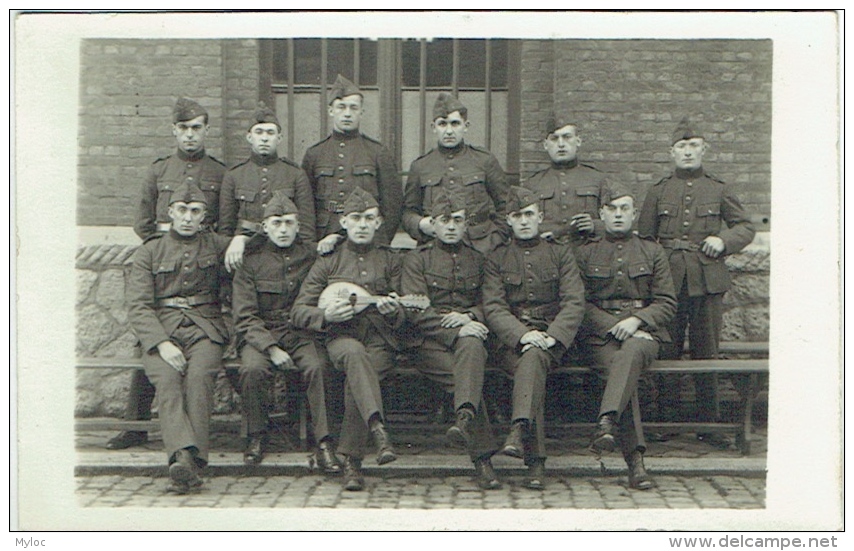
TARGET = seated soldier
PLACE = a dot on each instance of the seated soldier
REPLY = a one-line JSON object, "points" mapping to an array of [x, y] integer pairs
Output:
{"points": [[360, 342], [629, 302], [449, 336], [264, 292], [173, 298], [533, 300]]}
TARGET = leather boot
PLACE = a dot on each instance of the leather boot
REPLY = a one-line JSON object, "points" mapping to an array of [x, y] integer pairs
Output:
{"points": [[639, 479], [518, 440], [385, 451], [326, 459], [254, 452], [604, 440], [353, 480], [183, 472], [485, 474], [459, 433], [127, 439], [536, 479]]}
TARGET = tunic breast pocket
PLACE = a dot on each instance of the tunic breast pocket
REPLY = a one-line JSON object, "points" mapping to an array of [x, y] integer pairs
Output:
{"points": [[588, 200], [475, 185], [597, 277], [667, 219], [164, 275], [512, 280], [323, 175], [245, 195], [164, 195], [641, 275], [429, 189], [549, 283], [439, 281], [366, 177], [710, 214]]}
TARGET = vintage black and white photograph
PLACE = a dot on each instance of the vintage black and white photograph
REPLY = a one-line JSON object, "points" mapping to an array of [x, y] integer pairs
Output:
{"points": [[444, 271]]}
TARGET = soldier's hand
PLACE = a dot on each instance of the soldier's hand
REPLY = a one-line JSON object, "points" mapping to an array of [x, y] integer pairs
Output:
{"points": [[280, 358], [327, 244], [641, 334], [712, 246], [339, 311], [582, 222], [455, 319], [474, 329], [426, 226], [624, 329], [536, 338], [173, 356], [234, 253], [387, 305]]}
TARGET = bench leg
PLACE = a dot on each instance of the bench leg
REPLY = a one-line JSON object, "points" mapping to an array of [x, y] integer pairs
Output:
{"points": [[748, 394], [303, 422]]}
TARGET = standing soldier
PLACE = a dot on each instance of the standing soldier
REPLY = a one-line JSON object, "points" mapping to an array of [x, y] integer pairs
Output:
{"points": [[348, 159], [249, 187], [192, 165], [360, 342], [264, 292], [455, 166], [533, 299], [450, 335], [684, 212], [629, 302], [173, 308], [569, 191]]}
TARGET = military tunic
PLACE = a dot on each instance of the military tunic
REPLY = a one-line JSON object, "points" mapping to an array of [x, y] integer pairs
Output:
{"points": [[249, 186], [168, 173], [173, 295], [530, 285], [564, 190], [339, 164], [265, 289], [470, 172]]}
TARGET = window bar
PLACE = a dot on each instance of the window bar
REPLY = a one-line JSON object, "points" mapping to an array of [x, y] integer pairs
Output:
{"points": [[357, 46], [291, 115], [488, 94], [455, 74], [324, 68], [422, 97]]}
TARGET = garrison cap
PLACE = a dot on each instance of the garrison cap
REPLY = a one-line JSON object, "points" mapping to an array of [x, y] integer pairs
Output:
{"points": [[280, 205], [685, 131], [556, 122], [186, 109], [614, 191], [342, 88], [447, 202], [519, 198], [188, 193], [446, 104], [359, 200], [264, 114]]}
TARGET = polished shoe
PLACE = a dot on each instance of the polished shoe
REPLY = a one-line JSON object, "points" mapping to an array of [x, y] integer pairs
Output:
{"points": [[459, 433], [485, 474], [353, 480], [254, 453], [536, 479], [385, 451], [127, 439], [604, 440], [518, 440], [715, 440], [183, 471], [326, 459], [639, 479]]}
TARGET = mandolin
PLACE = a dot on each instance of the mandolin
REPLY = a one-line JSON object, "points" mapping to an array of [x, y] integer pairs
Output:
{"points": [[360, 298]]}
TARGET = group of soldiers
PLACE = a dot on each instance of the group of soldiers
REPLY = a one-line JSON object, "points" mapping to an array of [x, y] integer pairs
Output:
{"points": [[524, 277]]}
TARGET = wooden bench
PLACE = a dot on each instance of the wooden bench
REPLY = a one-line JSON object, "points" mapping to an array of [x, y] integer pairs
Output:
{"points": [[751, 368]]}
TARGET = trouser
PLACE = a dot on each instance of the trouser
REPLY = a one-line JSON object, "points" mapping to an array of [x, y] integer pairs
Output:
{"points": [[703, 315], [185, 401], [460, 372], [255, 381], [140, 397], [623, 363], [364, 364]]}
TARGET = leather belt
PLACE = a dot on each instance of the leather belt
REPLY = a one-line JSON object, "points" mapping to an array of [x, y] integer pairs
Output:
{"points": [[335, 206], [254, 227], [620, 304], [185, 303], [163, 227], [282, 314], [541, 312], [679, 245], [478, 218]]}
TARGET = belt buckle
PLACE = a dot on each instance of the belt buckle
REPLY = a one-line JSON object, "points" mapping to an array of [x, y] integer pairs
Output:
{"points": [[181, 302]]}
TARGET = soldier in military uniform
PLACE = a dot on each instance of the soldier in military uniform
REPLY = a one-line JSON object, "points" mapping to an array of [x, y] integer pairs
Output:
{"points": [[249, 187], [464, 169], [629, 302], [362, 344], [173, 308], [533, 299], [449, 336], [264, 292], [348, 159], [190, 164], [698, 220], [568, 190]]}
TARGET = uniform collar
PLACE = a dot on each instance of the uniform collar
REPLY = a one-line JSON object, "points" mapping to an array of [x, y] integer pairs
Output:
{"points": [[263, 160], [455, 248], [336, 135], [183, 238], [452, 150], [359, 249], [270, 246], [684, 174], [197, 156], [527, 243], [565, 166], [612, 237]]}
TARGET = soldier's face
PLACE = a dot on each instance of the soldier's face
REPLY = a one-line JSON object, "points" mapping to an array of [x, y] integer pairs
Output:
{"points": [[450, 130], [525, 222], [282, 230], [191, 134], [562, 144], [362, 226], [264, 138], [450, 229], [619, 215], [688, 154], [346, 113], [187, 217]]}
